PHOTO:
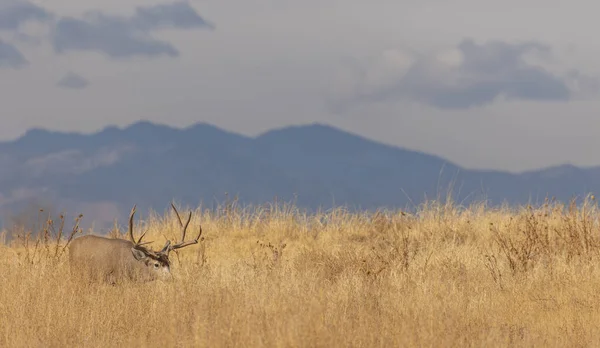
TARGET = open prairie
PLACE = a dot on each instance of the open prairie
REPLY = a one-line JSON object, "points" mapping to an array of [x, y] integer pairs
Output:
{"points": [[446, 276]]}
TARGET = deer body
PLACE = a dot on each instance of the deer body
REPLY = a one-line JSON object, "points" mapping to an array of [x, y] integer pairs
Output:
{"points": [[112, 260]]}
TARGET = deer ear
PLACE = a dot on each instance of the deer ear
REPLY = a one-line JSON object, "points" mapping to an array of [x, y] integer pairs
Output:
{"points": [[138, 254]]}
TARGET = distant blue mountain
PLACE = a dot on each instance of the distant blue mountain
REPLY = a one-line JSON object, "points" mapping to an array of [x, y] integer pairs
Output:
{"points": [[317, 166]]}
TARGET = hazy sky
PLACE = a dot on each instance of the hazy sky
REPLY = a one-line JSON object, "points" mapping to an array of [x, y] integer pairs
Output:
{"points": [[487, 84]]}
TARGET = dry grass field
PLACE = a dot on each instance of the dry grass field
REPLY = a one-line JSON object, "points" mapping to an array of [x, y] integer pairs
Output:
{"points": [[446, 276]]}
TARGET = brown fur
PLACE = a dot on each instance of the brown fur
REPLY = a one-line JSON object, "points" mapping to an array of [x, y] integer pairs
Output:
{"points": [[113, 260]]}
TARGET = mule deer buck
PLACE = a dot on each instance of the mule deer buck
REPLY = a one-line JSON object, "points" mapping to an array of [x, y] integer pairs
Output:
{"points": [[112, 260]]}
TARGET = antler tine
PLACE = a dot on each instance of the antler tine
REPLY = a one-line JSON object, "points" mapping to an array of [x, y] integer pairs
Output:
{"points": [[140, 244], [140, 239], [184, 244], [199, 232], [165, 249], [131, 223], [183, 227], [183, 231], [177, 213]]}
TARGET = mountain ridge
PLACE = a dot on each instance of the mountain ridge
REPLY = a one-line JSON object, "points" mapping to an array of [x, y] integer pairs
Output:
{"points": [[316, 165]]}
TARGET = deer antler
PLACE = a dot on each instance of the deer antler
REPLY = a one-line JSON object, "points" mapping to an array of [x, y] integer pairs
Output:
{"points": [[131, 224], [183, 243], [189, 242], [165, 249], [138, 243], [177, 213]]}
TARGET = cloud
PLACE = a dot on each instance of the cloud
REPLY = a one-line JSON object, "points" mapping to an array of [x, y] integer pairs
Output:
{"points": [[469, 75], [121, 37], [73, 81], [111, 36], [14, 13], [10, 57], [178, 15], [75, 161]]}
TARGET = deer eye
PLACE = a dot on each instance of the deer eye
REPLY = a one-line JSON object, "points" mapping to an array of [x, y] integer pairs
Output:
{"points": [[156, 265]]}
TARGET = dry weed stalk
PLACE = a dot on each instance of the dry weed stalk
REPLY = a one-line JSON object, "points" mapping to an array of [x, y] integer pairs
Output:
{"points": [[49, 244], [578, 234], [544, 234], [270, 256]]}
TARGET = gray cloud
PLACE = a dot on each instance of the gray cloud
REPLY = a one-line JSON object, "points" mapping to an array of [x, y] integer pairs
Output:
{"points": [[121, 37], [74, 161], [176, 15], [112, 37], [26, 38], [475, 75], [10, 57], [14, 13], [73, 81]]}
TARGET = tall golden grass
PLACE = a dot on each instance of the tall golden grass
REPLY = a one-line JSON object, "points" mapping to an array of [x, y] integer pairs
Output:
{"points": [[445, 276]]}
